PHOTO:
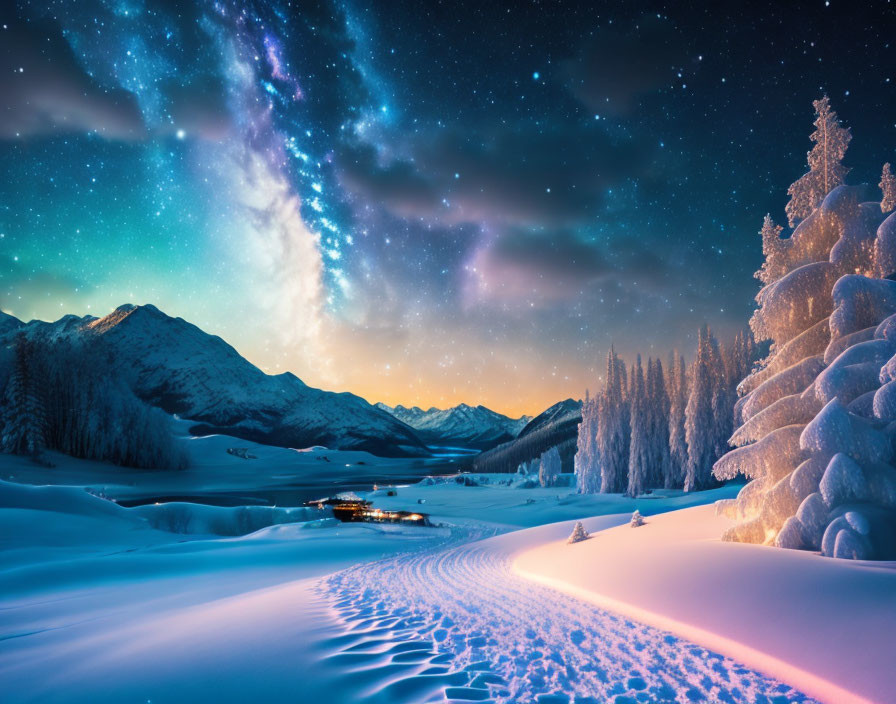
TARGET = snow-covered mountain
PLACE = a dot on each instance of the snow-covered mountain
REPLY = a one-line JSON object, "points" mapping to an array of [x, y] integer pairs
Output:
{"points": [[174, 365], [568, 412], [475, 427], [557, 427]]}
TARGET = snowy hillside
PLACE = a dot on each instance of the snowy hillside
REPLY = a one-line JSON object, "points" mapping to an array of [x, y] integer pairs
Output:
{"points": [[555, 427], [174, 365], [562, 411], [463, 426]]}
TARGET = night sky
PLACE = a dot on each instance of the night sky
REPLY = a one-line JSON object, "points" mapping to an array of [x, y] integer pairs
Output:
{"points": [[423, 203]]}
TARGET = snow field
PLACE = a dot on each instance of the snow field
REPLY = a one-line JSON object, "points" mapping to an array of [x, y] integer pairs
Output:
{"points": [[459, 624]]}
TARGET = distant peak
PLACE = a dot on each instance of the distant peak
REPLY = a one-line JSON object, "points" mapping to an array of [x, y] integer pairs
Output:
{"points": [[123, 313]]}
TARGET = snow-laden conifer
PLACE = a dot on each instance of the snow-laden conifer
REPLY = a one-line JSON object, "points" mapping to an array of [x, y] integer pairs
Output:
{"points": [[888, 188], [826, 171], [578, 533], [612, 428], [700, 432], [549, 467], [587, 459], [678, 446], [639, 450]]}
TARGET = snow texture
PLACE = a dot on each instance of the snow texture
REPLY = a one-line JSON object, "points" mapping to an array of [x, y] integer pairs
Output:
{"points": [[460, 624]]}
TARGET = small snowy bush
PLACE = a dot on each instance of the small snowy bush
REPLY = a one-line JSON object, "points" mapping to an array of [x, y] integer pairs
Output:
{"points": [[637, 519], [578, 533]]}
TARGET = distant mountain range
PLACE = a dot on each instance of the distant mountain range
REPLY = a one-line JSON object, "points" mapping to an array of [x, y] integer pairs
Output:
{"points": [[174, 365], [475, 427]]}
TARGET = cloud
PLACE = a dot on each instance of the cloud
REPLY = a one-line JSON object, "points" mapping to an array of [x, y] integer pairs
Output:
{"points": [[619, 64], [397, 185], [46, 91], [523, 177], [546, 267]]}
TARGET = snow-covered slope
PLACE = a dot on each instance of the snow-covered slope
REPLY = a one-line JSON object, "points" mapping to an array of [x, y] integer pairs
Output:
{"points": [[465, 426], [568, 411], [174, 365], [555, 427], [827, 627], [8, 323]]}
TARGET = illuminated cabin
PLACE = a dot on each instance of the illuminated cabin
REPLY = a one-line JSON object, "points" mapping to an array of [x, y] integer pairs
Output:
{"points": [[357, 510]]}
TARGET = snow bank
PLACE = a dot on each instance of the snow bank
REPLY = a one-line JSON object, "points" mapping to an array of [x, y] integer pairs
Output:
{"points": [[180, 517], [827, 627]]}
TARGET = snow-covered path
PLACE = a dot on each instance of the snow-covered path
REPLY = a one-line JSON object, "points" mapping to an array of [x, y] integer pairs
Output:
{"points": [[458, 624]]}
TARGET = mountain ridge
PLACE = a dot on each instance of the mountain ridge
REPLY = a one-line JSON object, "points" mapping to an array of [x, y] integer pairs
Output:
{"points": [[475, 427], [175, 365]]}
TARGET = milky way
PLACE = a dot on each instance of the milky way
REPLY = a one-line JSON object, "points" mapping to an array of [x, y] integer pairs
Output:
{"points": [[422, 203]]}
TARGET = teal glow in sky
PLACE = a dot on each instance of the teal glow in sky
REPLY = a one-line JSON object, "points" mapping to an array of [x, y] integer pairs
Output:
{"points": [[427, 205]]}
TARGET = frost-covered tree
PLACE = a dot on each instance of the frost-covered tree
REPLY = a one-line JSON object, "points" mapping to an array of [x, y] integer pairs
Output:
{"points": [[613, 428], [826, 171], [678, 446], [549, 468], [818, 415], [724, 392], [587, 460], [639, 448], [773, 249], [700, 414], [71, 399], [659, 461], [888, 188], [578, 533], [23, 415], [637, 519]]}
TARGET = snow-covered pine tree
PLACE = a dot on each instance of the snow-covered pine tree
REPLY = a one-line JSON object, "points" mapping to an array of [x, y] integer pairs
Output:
{"points": [[678, 446], [587, 461], [578, 533], [23, 411], [826, 171], [774, 250], [739, 365], [612, 428], [637, 519], [700, 431], [819, 414], [638, 455], [658, 413], [888, 188], [92, 414], [549, 467], [723, 397]]}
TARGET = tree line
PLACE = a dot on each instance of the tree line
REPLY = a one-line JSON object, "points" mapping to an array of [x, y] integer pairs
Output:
{"points": [[67, 396], [650, 428], [507, 457]]}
